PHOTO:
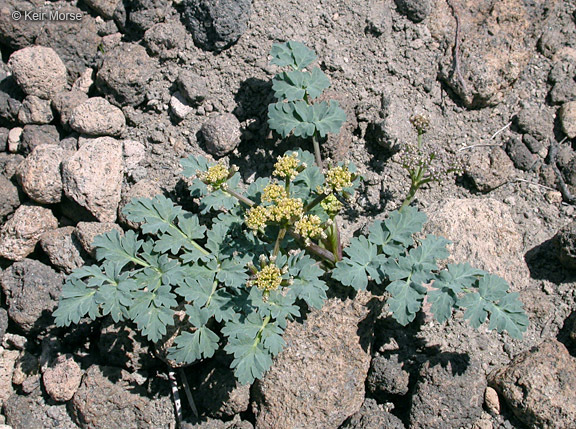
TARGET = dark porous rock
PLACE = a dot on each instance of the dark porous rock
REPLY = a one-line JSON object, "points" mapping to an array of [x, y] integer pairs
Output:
{"points": [[33, 411], [415, 10], [109, 398], [38, 71], [76, 42], [32, 290], [536, 146], [123, 347], [65, 102], [39, 174], [318, 379], [10, 198], [166, 39], [538, 385], [86, 232], [9, 164], [337, 146], [36, 135], [566, 239], [221, 134], [3, 323], [217, 392], [124, 74], [496, 43], [536, 121], [3, 138], [145, 13], [563, 69], [489, 169], [35, 110], [217, 25], [563, 91], [550, 42], [69, 143], [379, 20], [97, 117], [63, 248], [20, 234], [448, 393], [387, 376], [373, 415], [19, 33], [520, 155], [567, 116], [104, 8], [10, 100], [92, 177], [569, 172], [192, 86]]}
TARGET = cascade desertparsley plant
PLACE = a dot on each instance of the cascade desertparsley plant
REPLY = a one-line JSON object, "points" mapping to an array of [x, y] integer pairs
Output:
{"points": [[261, 257]]}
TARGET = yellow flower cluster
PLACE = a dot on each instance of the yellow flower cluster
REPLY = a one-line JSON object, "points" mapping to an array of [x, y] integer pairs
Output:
{"points": [[268, 278], [337, 179], [286, 209], [274, 192], [215, 175], [309, 227], [287, 166], [331, 205], [256, 218]]}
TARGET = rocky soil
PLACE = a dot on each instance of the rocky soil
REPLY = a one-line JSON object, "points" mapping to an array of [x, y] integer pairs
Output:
{"points": [[96, 111]]}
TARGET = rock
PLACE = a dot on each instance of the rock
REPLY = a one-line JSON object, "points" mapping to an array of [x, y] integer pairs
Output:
{"points": [[70, 143], [104, 8], [142, 189], [19, 235], [39, 174], [192, 86], [496, 44], [387, 376], [97, 117], [536, 146], [27, 366], [85, 80], [87, 231], [39, 71], [123, 347], [520, 155], [62, 378], [106, 398], [75, 42], [318, 379], [492, 401], [14, 137], [372, 415], [415, 10], [379, 20], [10, 198], [538, 385], [3, 138], [65, 102], [14, 341], [568, 118], [18, 34], [32, 290], [217, 25], [35, 110], [337, 146], [63, 248], [392, 126], [3, 323], [536, 121], [549, 43], [448, 394], [9, 163], [92, 177], [10, 99], [36, 135], [563, 91], [483, 233], [146, 13], [124, 74], [221, 134], [179, 106], [8, 360], [166, 39], [134, 155], [32, 411], [489, 168], [217, 391], [566, 239]]}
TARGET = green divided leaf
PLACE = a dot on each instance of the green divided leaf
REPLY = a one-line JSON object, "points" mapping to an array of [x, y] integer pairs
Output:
{"points": [[303, 120], [152, 312], [406, 300], [430, 249], [293, 54], [232, 272], [328, 117], [76, 301], [193, 164], [508, 315], [199, 344], [121, 250], [297, 85], [156, 215], [307, 286], [362, 261], [394, 235]]}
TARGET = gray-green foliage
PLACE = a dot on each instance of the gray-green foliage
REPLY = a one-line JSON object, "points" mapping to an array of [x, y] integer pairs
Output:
{"points": [[295, 112]]}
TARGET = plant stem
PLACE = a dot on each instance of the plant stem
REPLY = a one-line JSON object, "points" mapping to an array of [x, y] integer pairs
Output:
{"points": [[320, 252], [240, 197], [279, 239], [316, 145], [315, 202]]}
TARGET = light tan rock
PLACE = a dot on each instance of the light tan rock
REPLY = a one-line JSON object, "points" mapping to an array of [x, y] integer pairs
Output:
{"points": [[97, 117], [568, 118], [63, 248], [8, 360], [62, 378], [39, 174], [87, 231]]}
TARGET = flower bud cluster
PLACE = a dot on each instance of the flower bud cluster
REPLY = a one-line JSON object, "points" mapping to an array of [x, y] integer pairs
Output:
{"points": [[310, 227], [337, 178], [421, 123], [268, 278], [216, 176], [288, 166], [331, 205]]}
